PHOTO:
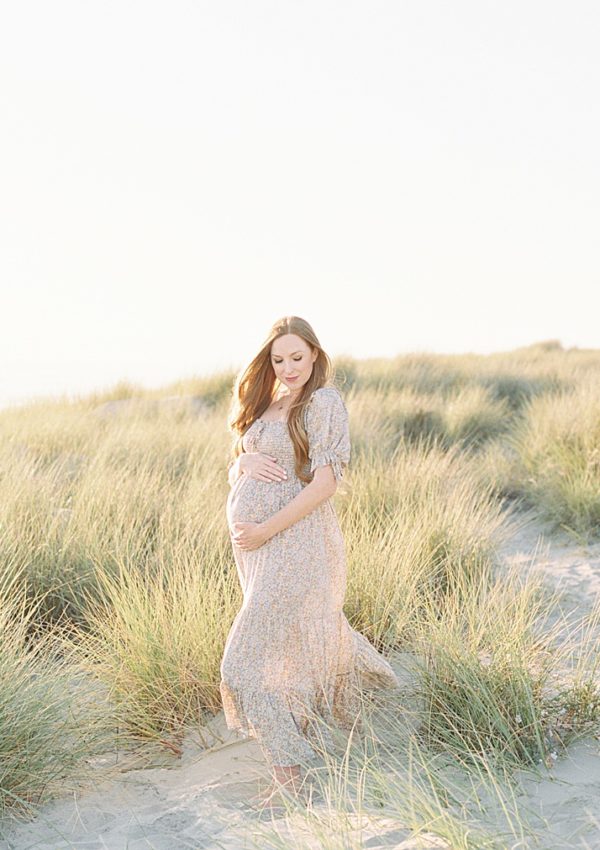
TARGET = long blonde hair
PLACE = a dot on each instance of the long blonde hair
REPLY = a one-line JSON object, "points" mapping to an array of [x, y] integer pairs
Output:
{"points": [[254, 390]]}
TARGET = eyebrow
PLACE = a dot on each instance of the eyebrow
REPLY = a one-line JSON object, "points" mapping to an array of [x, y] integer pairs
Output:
{"points": [[293, 352]]}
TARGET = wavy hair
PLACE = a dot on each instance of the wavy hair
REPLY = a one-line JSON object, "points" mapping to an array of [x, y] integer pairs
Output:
{"points": [[256, 384]]}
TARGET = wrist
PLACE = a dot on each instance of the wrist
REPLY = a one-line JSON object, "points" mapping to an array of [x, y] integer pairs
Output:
{"points": [[267, 528]]}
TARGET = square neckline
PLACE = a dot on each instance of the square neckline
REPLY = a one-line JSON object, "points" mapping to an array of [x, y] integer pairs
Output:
{"points": [[281, 421], [271, 421]]}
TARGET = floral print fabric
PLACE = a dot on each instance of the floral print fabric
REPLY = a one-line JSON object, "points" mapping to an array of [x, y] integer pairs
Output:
{"points": [[291, 657]]}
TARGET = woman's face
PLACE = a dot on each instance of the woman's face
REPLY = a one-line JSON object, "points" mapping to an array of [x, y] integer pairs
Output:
{"points": [[292, 359]]}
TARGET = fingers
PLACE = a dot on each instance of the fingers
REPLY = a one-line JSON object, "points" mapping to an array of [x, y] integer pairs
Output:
{"points": [[265, 468], [275, 475], [270, 475], [279, 471]]}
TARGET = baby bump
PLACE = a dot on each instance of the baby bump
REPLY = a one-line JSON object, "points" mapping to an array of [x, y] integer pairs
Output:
{"points": [[251, 500]]}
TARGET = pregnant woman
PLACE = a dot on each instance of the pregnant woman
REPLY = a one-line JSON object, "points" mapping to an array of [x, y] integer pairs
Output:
{"points": [[291, 654]]}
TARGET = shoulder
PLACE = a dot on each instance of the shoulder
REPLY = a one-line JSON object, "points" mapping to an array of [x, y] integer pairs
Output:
{"points": [[324, 399], [326, 394]]}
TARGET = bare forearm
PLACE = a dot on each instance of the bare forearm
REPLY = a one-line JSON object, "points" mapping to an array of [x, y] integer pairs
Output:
{"points": [[301, 505]]}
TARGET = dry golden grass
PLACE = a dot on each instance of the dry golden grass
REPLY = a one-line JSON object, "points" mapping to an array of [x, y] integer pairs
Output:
{"points": [[114, 541]]}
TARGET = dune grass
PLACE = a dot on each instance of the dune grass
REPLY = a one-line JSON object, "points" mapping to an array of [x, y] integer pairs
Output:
{"points": [[441, 763], [114, 533], [386, 786], [558, 445], [80, 494], [468, 416], [156, 641], [495, 676], [417, 528], [51, 718]]}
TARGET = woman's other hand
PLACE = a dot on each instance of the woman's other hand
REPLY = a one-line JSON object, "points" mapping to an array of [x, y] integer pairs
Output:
{"points": [[261, 466], [249, 535]]}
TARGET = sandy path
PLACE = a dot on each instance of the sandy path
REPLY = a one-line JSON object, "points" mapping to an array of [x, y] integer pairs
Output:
{"points": [[569, 799]]}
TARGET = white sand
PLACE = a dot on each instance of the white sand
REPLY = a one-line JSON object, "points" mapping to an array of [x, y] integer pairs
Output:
{"points": [[569, 799], [200, 800]]}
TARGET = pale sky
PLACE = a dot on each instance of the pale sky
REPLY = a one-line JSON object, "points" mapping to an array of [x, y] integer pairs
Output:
{"points": [[407, 176]]}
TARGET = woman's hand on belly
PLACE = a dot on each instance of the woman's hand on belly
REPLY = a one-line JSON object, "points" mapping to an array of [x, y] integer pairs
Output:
{"points": [[261, 466], [249, 535]]}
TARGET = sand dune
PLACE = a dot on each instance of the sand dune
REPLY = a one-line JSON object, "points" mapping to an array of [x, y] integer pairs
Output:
{"points": [[201, 799]]}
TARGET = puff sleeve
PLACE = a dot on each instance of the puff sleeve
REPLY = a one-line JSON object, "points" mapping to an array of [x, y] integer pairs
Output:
{"points": [[328, 430]]}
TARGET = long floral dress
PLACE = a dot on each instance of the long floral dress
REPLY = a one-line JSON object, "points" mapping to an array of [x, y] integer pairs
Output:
{"points": [[291, 655]]}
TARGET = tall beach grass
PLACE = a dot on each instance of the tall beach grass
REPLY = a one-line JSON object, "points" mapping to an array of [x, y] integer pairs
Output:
{"points": [[118, 572]]}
